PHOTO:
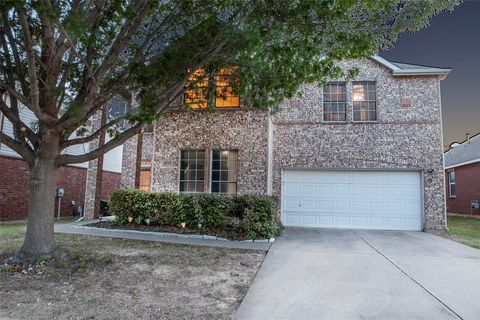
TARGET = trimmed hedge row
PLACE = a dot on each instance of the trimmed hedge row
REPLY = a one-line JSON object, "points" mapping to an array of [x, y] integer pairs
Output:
{"points": [[255, 215]]}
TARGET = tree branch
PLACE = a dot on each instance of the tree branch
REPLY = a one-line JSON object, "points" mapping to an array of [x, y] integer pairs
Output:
{"points": [[32, 71], [119, 44], [21, 149], [65, 159], [12, 43], [92, 136], [122, 40], [17, 123]]}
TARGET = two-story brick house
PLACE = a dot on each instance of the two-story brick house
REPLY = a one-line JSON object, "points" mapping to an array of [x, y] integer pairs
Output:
{"points": [[365, 153]]}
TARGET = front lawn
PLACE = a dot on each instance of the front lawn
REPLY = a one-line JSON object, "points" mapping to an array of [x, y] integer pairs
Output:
{"points": [[102, 278], [465, 230]]}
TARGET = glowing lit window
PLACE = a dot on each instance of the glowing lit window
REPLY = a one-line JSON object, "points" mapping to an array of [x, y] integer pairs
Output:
{"points": [[196, 90], [364, 101], [225, 82]]}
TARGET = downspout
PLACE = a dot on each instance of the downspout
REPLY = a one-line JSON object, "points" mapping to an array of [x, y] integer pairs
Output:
{"points": [[270, 126]]}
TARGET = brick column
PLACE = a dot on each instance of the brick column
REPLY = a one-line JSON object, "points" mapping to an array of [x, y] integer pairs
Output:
{"points": [[93, 189], [129, 163]]}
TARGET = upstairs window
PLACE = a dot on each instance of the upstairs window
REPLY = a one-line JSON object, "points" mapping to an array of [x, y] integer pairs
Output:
{"points": [[196, 90], [192, 171], [335, 102], [452, 188], [225, 82], [224, 171], [364, 101], [222, 84], [118, 108]]}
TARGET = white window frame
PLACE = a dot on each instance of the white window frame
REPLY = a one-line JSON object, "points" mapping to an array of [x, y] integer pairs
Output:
{"points": [[376, 102], [450, 183], [180, 171], [338, 102], [211, 172]]}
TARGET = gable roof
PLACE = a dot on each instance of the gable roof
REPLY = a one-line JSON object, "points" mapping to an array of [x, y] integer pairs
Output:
{"points": [[465, 153], [406, 69]]}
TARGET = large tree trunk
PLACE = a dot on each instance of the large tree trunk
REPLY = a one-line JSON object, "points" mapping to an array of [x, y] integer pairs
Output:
{"points": [[43, 180]]}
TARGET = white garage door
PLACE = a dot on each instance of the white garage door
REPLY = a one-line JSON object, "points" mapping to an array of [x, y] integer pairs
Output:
{"points": [[388, 200]]}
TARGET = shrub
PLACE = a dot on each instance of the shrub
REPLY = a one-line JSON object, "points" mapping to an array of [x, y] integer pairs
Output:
{"points": [[257, 215]]}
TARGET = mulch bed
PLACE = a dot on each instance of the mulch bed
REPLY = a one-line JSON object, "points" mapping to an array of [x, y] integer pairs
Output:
{"points": [[226, 232]]}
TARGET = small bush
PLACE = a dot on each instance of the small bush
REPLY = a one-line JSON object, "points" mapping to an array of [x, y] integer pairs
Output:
{"points": [[255, 215], [259, 216]]}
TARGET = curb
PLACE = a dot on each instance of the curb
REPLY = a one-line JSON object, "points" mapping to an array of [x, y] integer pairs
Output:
{"points": [[168, 234]]}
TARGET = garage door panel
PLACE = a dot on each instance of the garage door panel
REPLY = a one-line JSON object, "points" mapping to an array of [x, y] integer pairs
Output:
{"points": [[360, 191], [325, 176], [325, 205], [309, 204], [359, 221], [376, 177], [359, 177], [325, 220], [343, 177], [342, 205], [292, 220], [291, 204], [293, 189], [392, 192], [341, 220], [410, 193], [375, 206], [410, 180], [308, 190], [392, 207], [361, 206], [411, 208], [352, 199], [376, 222], [395, 222], [412, 222], [325, 190], [343, 191]]}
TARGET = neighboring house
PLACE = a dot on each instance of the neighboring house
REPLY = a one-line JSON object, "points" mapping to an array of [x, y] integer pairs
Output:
{"points": [[364, 154], [462, 172], [14, 176]]}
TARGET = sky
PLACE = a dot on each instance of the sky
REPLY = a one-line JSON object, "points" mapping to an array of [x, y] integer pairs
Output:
{"points": [[452, 40]]}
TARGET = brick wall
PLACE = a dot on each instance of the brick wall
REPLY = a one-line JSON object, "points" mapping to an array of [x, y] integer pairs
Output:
{"points": [[467, 189], [14, 188], [242, 130], [401, 138]]}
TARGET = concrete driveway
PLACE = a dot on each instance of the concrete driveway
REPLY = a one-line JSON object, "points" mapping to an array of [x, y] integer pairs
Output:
{"points": [[360, 274]]}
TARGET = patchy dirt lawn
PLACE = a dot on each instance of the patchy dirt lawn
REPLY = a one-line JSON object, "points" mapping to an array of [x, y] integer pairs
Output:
{"points": [[105, 278]]}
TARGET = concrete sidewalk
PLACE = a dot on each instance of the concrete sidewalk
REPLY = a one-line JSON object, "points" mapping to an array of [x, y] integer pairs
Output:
{"points": [[81, 228], [361, 274]]}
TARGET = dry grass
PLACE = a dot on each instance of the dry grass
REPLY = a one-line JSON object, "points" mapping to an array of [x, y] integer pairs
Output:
{"points": [[102, 278]]}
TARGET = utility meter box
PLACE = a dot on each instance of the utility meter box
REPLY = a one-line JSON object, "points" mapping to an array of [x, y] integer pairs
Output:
{"points": [[60, 192], [475, 204]]}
